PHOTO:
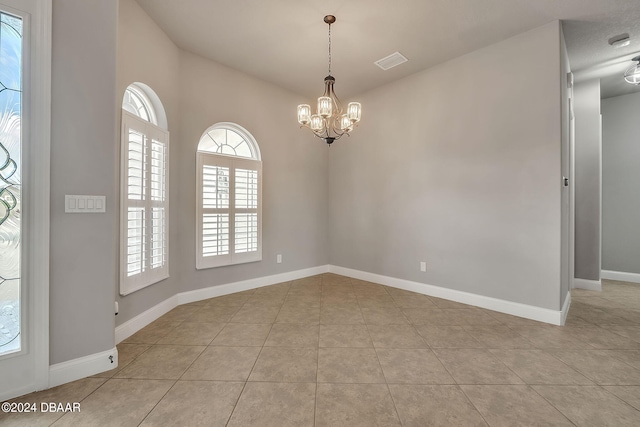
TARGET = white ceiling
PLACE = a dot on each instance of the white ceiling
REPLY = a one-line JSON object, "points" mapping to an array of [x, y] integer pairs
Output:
{"points": [[285, 41]]}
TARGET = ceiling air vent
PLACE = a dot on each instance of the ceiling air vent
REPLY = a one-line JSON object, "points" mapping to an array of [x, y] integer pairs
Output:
{"points": [[621, 40], [391, 61]]}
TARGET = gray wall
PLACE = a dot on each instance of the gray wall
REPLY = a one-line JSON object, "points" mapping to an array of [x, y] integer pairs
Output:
{"points": [[83, 131], [588, 154], [459, 166], [147, 55], [197, 93], [295, 190], [620, 189]]}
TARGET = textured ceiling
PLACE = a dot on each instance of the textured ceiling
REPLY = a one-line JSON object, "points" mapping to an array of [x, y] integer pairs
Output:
{"points": [[592, 57], [285, 41]]}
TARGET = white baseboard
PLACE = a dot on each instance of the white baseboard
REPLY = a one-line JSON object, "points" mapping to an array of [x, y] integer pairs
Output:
{"points": [[132, 326], [565, 308], [591, 285], [517, 309], [621, 276], [244, 285], [514, 308], [71, 370]]}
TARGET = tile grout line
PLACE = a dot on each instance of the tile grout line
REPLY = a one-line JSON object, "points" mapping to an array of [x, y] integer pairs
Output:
{"points": [[375, 350], [83, 399], [255, 362], [620, 399], [235, 405], [315, 400], [552, 405], [112, 377], [471, 402], [246, 380], [456, 383], [158, 402]]}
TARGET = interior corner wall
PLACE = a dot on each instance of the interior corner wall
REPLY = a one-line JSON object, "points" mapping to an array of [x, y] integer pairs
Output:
{"points": [[197, 93], [294, 190], [83, 131], [588, 156], [620, 189], [459, 166], [147, 55]]}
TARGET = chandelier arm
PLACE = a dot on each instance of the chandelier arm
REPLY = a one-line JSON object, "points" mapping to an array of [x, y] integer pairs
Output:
{"points": [[337, 130], [327, 88], [318, 134], [337, 101], [324, 132]]}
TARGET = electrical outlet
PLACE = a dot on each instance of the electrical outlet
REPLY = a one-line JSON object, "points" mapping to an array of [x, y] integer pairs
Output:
{"points": [[423, 266], [279, 258]]}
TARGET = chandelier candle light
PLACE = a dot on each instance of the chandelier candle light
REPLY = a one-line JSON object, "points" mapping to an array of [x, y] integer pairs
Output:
{"points": [[330, 122], [632, 75]]}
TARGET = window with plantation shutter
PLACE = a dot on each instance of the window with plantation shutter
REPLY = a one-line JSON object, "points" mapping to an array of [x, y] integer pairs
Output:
{"points": [[144, 200], [229, 182]]}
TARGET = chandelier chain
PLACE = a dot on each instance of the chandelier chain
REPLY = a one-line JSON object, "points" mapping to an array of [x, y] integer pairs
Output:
{"points": [[329, 49]]}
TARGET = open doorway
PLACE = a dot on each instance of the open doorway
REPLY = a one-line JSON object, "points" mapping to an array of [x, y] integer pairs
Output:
{"points": [[607, 204]]}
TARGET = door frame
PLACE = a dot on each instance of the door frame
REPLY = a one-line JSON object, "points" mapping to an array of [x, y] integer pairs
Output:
{"points": [[36, 183]]}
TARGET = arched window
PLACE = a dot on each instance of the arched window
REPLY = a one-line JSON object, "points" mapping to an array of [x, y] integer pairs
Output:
{"points": [[144, 190], [138, 103], [229, 197]]}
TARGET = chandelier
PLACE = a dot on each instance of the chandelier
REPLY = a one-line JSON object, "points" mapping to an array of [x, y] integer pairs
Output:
{"points": [[632, 75], [330, 122]]}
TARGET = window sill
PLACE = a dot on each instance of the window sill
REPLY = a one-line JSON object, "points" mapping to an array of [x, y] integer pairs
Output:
{"points": [[143, 284], [206, 264]]}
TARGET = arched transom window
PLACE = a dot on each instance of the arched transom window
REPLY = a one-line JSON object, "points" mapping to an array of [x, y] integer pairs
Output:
{"points": [[138, 103], [229, 139]]}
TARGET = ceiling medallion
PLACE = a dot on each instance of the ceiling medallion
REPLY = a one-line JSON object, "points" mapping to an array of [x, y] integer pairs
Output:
{"points": [[330, 122]]}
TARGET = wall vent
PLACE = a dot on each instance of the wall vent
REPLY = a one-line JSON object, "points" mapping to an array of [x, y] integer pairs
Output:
{"points": [[391, 61]]}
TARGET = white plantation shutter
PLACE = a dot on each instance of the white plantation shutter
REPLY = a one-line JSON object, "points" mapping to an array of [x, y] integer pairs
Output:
{"points": [[144, 204], [246, 214], [136, 239], [228, 219], [215, 210]]}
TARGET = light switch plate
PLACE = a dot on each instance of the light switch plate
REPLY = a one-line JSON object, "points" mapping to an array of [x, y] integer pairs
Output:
{"points": [[84, 204]]}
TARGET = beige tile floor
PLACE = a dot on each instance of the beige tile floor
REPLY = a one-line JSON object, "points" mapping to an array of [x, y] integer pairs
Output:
{"points": [[333, 351]]}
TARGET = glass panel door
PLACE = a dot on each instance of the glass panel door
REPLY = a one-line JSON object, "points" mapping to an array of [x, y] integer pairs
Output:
{"points": [[10, 181], [25, 72]]}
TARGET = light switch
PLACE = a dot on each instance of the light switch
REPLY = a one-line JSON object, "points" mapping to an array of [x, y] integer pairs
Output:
{"points": [[84, 204]]}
